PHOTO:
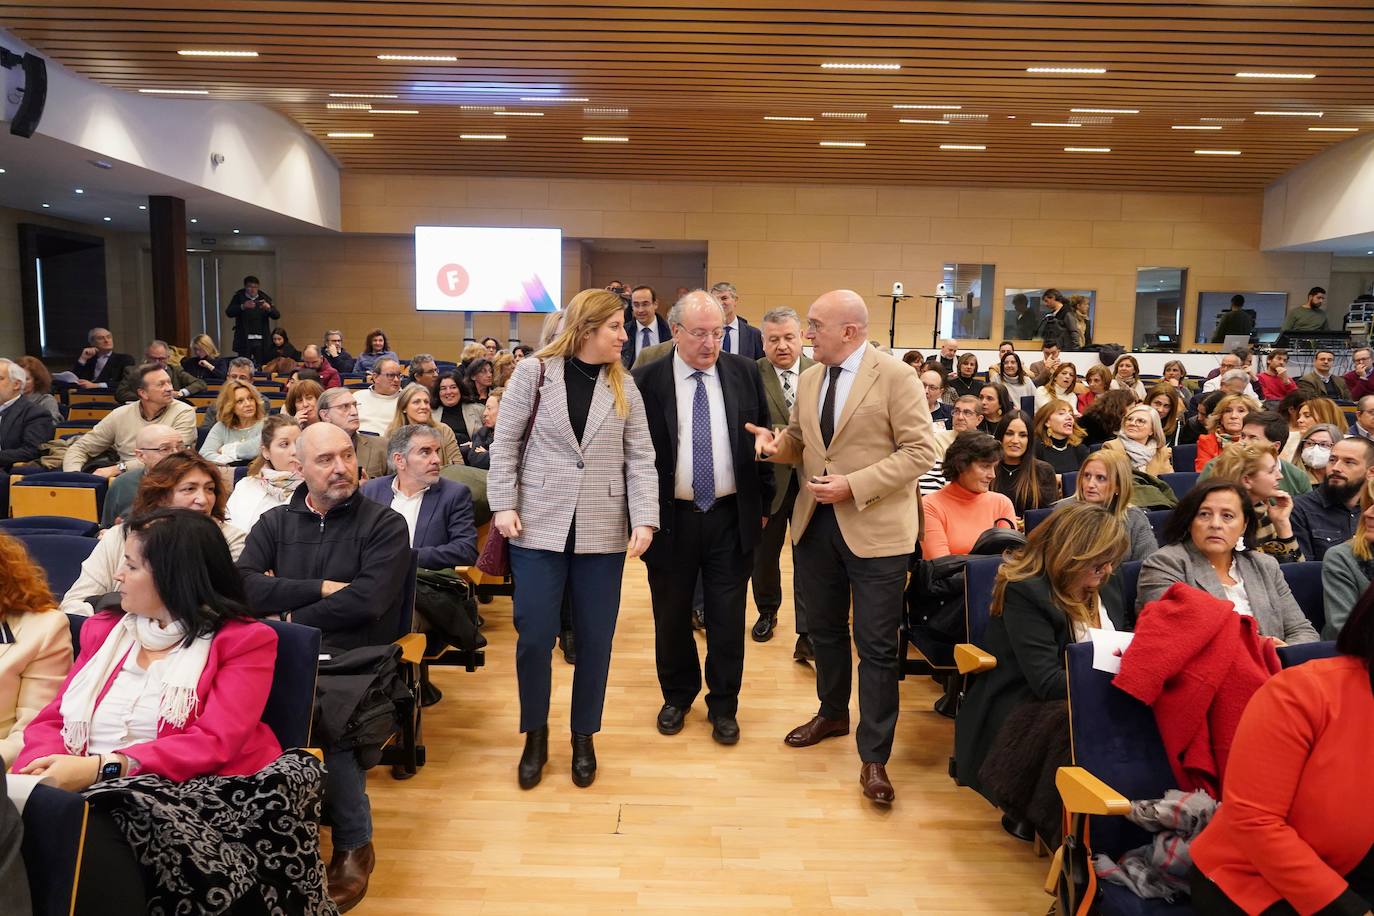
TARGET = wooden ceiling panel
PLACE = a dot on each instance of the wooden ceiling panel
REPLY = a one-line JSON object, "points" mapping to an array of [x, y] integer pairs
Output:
{"points": [[698, 77]]}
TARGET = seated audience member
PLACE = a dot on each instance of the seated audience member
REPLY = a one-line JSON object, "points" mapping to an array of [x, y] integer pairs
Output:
{"points": [[1141, 439], [183, 383], [377, 405], [1267, 430], [1236, 360], [240, 369], [479, 454], [1169, 404], [1364, 418], [1255, 469], [24, 424], [1175, 375], [948, 357], [1047, 594], [1021, 476], [1200, 550], [965, 379], [39, 386], [311, 358], [99, 366], [1320, 410], [154, 443], [996, 401], [1060, 436], [351, 588], [234, 438], [1274, 382], [335, 354], [424, 371], [338, 407], [438, 511], [1101, 421], [1126, 376], [302, 402], [272, 478], [1105, 480], [914, 359], [280, 352], [1360, 380], [38, 646], [492, 346], [501, 369], [1013, 377], [1322, 380], [1196, 426], [935, 387], [965, 415], [1224, 426], [118, 432], [448, 406], [204, 361], [1290, 408], [184, 480], [1097, 380], [412, 408], [1348, 568], [1043, 369], [520, 351], [1314, 450], [478, 380], [1295, 830], [1062, 387], [475, 351], [377, 349], [1326, 516], [966, 506]]}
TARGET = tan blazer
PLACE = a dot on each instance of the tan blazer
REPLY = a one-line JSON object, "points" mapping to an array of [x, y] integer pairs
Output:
{"points": [[884, 440], [1162, 463], [32, 669]]}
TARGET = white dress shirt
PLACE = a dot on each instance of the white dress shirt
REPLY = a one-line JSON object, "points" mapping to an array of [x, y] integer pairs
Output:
{"points": [[722, 458], [639, 329], [408, 506], [732, 337], [127, 714], [849, 371]]}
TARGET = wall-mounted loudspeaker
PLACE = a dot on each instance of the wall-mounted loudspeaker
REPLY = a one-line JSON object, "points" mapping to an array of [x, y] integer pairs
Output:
{"points": [[29, 95]]}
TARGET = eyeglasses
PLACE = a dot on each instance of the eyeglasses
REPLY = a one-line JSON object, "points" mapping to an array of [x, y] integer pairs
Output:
{"points": [[393, 375], [350, 407], [161, 449], [701, 334], [965, 412], [935, 387]]}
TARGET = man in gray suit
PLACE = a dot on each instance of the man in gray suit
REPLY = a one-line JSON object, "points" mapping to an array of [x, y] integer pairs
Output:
{"points": [[781, 364]]}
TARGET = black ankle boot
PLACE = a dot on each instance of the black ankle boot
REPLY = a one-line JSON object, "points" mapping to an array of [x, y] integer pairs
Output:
{"points": [[583, 760], [535, 756]]}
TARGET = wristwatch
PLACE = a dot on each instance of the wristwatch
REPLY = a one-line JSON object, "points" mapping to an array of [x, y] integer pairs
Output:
{"points": [[110, 769]]}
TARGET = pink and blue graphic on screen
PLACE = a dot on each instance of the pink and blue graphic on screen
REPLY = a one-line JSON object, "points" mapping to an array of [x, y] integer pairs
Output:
{"points": [[535, 299]]}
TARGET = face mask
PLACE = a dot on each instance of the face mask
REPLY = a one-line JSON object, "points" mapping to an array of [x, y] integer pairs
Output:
{"points": [[1316, 456]]}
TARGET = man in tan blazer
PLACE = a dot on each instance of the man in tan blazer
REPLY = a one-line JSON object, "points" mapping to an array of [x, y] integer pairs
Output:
{"points": [[861, 432]]}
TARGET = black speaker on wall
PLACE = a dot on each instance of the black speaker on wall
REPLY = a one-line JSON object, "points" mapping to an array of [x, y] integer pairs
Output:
{"points": [[33, 93]]}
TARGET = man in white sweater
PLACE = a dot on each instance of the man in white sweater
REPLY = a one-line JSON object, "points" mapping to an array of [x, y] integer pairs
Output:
{"points": [[119, 430], [377, 405]]}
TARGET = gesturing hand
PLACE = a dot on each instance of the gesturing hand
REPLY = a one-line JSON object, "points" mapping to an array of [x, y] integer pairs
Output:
{"points": [[765, 440]]}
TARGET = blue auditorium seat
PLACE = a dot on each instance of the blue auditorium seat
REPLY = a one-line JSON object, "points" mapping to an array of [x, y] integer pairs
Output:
{"points": [[1185, 459], [1305, 581], [1180, 481]]}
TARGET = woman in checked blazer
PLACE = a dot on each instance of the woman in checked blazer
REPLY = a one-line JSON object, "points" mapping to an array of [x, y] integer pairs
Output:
{"points": [[585, 486]]}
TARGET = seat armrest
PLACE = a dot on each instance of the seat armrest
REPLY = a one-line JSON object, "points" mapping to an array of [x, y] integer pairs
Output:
{"points": [[971, 660], [1084, 793], [412, 648]]}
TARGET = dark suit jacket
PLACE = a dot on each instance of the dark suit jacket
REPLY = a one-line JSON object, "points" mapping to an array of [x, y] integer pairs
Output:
{"points": [[627, 352], [110, 376], [745, 402], [1312, 383], [127, 392], [445, 535], [24, 427], [779, 416], [750, 340]]}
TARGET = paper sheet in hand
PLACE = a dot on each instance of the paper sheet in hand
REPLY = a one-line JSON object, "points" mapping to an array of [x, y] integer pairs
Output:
{"points": [[1108, 647]]}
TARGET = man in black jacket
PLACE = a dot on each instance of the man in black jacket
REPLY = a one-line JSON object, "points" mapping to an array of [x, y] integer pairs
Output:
{"points": [[99, 366], [253, 314], [24, 425], [338, 561]]}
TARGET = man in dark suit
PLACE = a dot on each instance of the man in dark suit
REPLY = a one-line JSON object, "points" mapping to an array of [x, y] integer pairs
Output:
{"points": [[24, 425], [741, 338], [99, 366], [253, 314], [1322, 382], [644, 327], [781, 366], [714, 500], [184, 384]]}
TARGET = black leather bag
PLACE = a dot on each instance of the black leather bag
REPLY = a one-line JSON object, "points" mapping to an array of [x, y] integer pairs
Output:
{"points": [[935, 592], [447, 605]]}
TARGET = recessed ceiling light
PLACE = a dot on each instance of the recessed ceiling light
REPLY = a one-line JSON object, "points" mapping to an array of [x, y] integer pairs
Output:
{"points": [[348, 106], [194, 220], [107, 218], [1216, 152], [361, 95], [1195, 127], [929, 107], [962, 146], [207, 52], [481, 136], [175, 91], [787, 118], [2, 171], [236, 232], [553, 98], [605, 139], [1087, 149], [1253, 75], [143, 206], [920, 121], [1066, 70], [845, 143], [349, 135], [420, 58], [394, 111], [1105, 110], [46, 206], [1054, 124], [79, 190], [518, 114], [1291, 114], [845, 115], [1335, 130], [858, 65], [1367, 252]]}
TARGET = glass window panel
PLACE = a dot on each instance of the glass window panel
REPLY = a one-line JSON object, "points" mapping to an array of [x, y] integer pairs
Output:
{"points": [[965, 312], [1159, 308], [1023, 323], [1268, 309]]}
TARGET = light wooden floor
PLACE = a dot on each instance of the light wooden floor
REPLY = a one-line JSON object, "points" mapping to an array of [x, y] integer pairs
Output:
{"points": [[681, 824]]}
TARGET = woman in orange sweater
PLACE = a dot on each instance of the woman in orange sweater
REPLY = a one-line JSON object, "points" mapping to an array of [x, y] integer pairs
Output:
{"points": [[1224, 426], [1296, 825], [966, 506]]}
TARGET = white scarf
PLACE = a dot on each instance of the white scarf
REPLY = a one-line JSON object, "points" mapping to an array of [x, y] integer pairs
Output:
{"points": [[184, 667], [1140, 453]]}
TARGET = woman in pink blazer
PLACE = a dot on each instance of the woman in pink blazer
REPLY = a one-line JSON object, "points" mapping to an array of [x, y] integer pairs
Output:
{"points": [[172, 684]]}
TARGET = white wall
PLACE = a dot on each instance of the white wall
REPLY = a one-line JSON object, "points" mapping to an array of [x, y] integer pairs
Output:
{"points": [[1323, 200]]}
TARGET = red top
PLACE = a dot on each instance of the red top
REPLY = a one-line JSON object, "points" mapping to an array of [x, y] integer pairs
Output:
{"points": [[1274, 387], [1298, 812], [223, 736], [1208, 447]]}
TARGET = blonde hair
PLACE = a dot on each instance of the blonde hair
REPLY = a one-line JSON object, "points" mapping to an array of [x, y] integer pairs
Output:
{"points": [[1325, 410], [501, 368], [224, 406], [1072, 540], [1359, 544], [1052, 389], [588, 311], [1214, 418], [408, 394], [1041, 423], [205, 343], [1118, 467], [1239, 460], [472, 351]]}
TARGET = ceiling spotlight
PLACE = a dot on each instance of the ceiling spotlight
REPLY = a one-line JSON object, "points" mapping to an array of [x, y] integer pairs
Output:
{"points": [[930, 107], [46, 206], [786, 118], [107, 218], [859, 65], [420, 58], [361, 95], [194, 220], [1087, 149], [845, 115], [553, 98], [920, 121], [348, 106], [1195, 127], [79, 190], [236, 232], [605, 139], [518, 114], [1054, 124], [394, 111], [143, 206], [1335, 130], [1291, 114], [1089, 70], [1216, 152]]}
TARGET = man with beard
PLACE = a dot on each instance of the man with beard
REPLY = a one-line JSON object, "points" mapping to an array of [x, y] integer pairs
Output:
{"points": [[1327, 516]]}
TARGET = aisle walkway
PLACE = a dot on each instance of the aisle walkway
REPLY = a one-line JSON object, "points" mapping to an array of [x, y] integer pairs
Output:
{"points": [[682, 824]]}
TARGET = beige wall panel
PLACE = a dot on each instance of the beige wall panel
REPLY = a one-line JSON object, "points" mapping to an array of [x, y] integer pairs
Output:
{"points": [[424, 191], [1167, 207], [589, 195], [1234, 236], [814, 282], [627, 224], [671, 197], [724, 254], [1066, 232], [960, 231], [1083, 206], [884, 229], [850, 201], [576, 223], [778, 254], [508, 192], [1018, 258], [934, 256], [1102, 261], [726, 226], [977, 203], [1124, 234], [847, 256], [743, 198], [918, 201], [812, 228]]}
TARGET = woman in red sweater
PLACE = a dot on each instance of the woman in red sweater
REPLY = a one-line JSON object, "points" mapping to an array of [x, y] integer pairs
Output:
{"points": [[1296, 825], [966, 506]]}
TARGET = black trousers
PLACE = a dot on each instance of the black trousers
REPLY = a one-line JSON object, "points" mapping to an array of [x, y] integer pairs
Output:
{"points": [[830, 573], [705, 544], [767, 556]]}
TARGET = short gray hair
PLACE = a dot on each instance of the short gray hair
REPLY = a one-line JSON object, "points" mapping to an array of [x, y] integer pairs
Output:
{"points": [[158, 343], [421, 358], [723, 287], [781, 314], [333, 331], [690, 299], [241, 362], [388, 359], [90, 335], [328, 398], [399, 443], [16, 372], [1230, 375]]}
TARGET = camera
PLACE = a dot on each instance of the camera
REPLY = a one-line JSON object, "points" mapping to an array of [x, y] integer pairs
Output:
{"points": [[897, 288], [942, 290]]}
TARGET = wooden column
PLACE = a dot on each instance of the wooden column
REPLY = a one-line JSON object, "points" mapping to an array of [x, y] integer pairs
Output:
{"points": [[171, 300]]}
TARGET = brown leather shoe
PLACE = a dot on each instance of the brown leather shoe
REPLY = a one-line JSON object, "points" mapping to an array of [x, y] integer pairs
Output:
{"points": [[347, 876], [816, 731], [877, 787]]}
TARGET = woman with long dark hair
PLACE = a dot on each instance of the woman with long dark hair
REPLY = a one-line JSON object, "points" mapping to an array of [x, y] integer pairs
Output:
{"points": [[479, 378], [377, 349], [1061, 437], [996, 403], [1021, 476], [1013, 377]]}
